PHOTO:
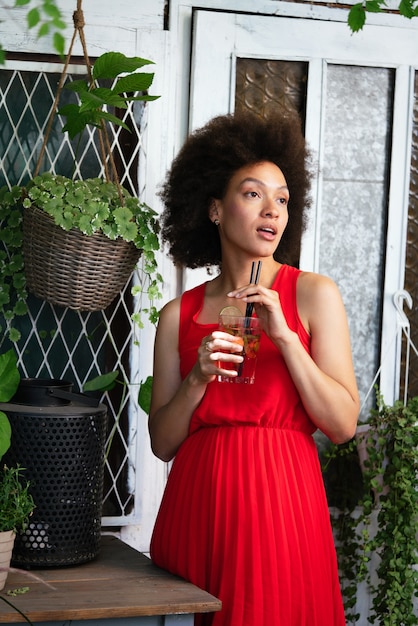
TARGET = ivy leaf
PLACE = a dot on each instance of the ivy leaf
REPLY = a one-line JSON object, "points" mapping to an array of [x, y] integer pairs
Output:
{"points": [[43, 30], [14, 335], [51, 10], [357, 17], [59, 43], [33, 18], [144, 395], [5, 433], [375, 6], [406, 8], [9, 375], [104, 382]]}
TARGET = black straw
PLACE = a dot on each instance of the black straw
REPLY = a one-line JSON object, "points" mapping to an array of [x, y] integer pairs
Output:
{"points": [[254, 278]]}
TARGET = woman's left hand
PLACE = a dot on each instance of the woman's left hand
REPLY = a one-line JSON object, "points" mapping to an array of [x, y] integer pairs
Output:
{"points": [[268, 308]]}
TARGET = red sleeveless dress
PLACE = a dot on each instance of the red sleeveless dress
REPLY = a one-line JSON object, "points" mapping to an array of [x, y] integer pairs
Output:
{"points": [[244, 514]]}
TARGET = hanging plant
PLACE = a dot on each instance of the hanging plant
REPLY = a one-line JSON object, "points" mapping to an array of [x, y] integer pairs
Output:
{"points": [[382, 525], [53, 204]]}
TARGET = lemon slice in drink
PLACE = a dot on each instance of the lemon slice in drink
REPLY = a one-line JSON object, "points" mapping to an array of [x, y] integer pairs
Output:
{"points": [[230, 310]]}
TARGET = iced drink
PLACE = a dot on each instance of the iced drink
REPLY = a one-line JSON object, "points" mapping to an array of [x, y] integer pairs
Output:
{"points": [[249, 330]]}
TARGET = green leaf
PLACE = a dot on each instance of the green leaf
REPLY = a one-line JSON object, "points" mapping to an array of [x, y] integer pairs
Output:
{"points": [[145, 98], [115, 120], [135, 82], [43, 30], [33, 18], [375, 6], [9, 375], [104, 382], [100, 96], [76, 122], [21, 3], [5, 433], [111, 64], [144, 395], [59, 43], [51, 10], [2, 55], [357, 17], [79, 86], [406, 8]]}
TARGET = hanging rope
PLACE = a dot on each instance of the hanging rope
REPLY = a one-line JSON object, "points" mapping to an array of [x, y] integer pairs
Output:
{"points": [[104, 143]]}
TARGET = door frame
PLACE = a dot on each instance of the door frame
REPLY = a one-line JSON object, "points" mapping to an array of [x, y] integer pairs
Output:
{"points": [[329, 43]]}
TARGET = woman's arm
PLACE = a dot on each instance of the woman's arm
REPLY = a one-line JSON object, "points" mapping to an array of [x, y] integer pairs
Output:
{"points": [[326, 383], [173, 400], [325, 379]]}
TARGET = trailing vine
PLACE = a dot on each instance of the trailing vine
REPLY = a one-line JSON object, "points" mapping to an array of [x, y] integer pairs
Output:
{"points": [[382, 525]]}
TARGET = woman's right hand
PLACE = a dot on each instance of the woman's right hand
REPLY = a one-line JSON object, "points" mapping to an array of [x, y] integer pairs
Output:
{"points": [[214, 350]]}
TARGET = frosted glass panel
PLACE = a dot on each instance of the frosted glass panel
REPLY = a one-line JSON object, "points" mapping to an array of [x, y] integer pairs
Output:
{"points": [[354, 201]]}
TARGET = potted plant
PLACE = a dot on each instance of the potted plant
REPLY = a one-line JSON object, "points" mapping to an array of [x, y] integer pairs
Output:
{"points": [[80, 239], [16, 503], [380, 528]]}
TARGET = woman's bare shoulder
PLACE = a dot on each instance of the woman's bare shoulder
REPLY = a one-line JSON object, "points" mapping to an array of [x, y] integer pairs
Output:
{"points": [[170, 310], [318, 297], [312, 285]]}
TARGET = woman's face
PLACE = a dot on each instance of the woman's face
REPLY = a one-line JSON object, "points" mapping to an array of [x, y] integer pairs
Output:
{"points": [[253, 213]]}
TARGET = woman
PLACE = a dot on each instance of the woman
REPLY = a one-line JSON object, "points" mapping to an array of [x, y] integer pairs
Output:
{"points": [[244, 514]]}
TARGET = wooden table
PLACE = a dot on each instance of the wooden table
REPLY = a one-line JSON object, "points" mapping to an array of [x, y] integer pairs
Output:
{"points": [[121, 586]]}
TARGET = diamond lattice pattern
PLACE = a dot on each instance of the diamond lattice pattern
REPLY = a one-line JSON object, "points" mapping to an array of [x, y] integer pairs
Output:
{"points": [[57, 342]]}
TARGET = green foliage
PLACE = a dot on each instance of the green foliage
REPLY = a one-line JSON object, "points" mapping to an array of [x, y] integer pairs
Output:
{"points": [[93, 98], [103, 382], [47, 17], [9, 382], [13, 293], [390, 475], [16, 503], [106, 382], [357, 14], [392, 471], [144, 395], [91, 205]]}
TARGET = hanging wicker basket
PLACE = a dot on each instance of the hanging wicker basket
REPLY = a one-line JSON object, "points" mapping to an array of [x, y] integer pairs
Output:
{"points": [[71, 269]]}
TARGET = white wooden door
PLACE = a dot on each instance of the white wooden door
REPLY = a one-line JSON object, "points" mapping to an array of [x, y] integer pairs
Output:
{"points": [[358, 117]]}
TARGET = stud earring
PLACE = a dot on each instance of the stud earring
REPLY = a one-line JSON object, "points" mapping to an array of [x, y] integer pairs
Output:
{"points": [[216, 222]]}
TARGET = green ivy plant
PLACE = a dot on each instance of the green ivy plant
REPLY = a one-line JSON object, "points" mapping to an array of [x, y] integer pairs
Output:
{"points": [[100, 210], [358, 12], [45, 16], [106, 382], [390, 499], [13, 292], [392, 472], [16, 503]]}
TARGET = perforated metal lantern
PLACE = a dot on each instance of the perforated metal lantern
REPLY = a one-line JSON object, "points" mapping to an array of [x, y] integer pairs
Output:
{"points": [[62, 451]]}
